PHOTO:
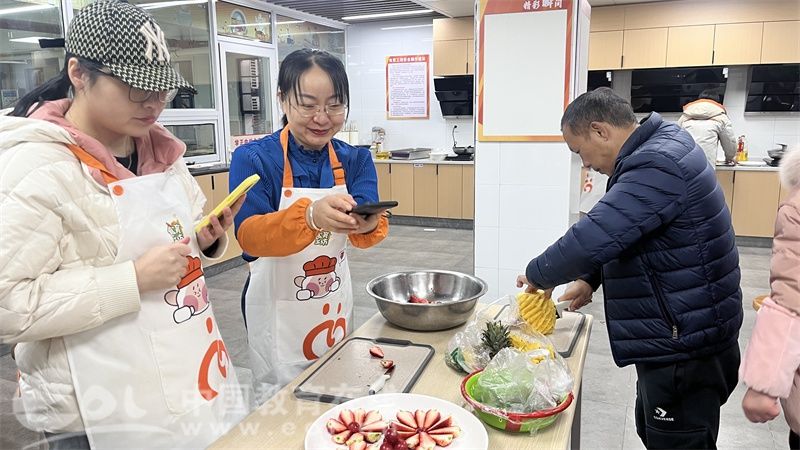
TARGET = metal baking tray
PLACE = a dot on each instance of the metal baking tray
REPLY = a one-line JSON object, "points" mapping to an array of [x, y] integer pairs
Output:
{"points": [[349, 371]]}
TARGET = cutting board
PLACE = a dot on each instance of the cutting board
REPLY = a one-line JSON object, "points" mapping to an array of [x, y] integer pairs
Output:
{"points": [[348, 372]]}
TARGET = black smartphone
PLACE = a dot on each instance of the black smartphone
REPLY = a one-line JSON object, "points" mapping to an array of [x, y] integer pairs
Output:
{"points": [[368, 209]]}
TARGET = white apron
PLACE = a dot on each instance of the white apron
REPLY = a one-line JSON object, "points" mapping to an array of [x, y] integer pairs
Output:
{"points": [[162, 377], [298, 306]]}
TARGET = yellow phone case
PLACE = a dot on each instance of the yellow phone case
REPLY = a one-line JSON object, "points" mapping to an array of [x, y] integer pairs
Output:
{"points": [[240, 190]]}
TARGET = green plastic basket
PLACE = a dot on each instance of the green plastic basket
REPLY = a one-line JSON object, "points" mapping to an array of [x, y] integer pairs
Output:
{"points": [[511, 421]]}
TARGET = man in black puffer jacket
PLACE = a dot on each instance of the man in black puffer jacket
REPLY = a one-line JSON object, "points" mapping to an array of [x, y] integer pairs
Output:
{"points": [[661, 243]]}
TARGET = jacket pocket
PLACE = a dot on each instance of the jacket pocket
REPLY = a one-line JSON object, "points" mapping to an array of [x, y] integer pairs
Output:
{"points": [[662, 303]]}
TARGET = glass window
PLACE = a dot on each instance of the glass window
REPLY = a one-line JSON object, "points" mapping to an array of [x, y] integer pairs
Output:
{"points": [[242, 22], [186, 26], [24, 65], [295, 34], [249, 96], [199, 139]]}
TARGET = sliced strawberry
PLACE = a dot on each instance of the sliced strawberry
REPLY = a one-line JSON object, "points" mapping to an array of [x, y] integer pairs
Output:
{"points": [[342, 437], [426, 442], [442, 440], [387, 363], [406, 418], [403, 427], [455, 431], [335, 427], [415, 299], [356, 437], [372, 416], [406, 434], [374, 426], [431, 417], [413, 441], [442, 423], [346, 416], [372, 437], [358, 416], [419, 417], [376, 351], [359, 445]]}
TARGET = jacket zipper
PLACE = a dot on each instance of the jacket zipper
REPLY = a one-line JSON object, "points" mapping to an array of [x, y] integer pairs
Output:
{"points": [[661, 302]]}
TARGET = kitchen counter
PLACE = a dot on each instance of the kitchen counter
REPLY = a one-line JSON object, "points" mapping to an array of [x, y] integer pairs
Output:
{"points": [[746, 168], [423, 161], [283, 420], [207, 169]]}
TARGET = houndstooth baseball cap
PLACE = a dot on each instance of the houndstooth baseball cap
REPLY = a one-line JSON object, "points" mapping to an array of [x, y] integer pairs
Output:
{"points": [[127, 40]]}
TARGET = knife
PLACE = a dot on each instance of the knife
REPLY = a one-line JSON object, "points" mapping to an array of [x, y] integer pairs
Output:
{"points": [[378, 384]]}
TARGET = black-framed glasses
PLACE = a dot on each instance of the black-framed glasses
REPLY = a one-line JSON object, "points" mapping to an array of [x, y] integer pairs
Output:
{"points": [[333, 110], [137, 95]]}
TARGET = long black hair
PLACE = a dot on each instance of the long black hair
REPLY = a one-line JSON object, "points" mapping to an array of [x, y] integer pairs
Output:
{"points": [[55, 88], [298, 62]]}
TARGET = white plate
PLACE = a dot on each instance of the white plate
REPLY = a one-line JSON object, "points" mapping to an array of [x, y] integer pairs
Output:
{"points": [[752, 163], [473, 433]]}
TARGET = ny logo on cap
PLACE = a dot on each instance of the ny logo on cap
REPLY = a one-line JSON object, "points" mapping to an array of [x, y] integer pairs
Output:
{"points": [[154, 38]]}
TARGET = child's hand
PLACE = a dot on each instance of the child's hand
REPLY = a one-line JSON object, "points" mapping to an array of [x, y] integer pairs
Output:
{"points": [[759, 407]]}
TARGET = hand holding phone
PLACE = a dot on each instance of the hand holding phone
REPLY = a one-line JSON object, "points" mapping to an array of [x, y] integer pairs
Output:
{"points": [[370, 208], [237, 193]]}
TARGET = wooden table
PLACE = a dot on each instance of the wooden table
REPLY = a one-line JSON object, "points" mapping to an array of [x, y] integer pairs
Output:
{"points": [[281, 423]]}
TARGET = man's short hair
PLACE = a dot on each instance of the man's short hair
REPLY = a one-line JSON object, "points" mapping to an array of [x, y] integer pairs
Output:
{"points": [[709, 94], [599, 105]]}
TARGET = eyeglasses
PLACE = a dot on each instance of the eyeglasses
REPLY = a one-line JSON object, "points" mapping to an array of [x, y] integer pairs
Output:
{"points": [[308, 111], [137, 95]]}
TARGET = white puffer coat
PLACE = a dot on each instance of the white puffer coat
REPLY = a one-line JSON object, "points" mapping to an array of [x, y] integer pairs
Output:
{"points": [[710, 127], [59, 233]]}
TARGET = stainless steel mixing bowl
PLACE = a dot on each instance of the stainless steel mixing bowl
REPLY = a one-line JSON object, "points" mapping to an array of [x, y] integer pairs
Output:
{"points": [[455, 295]]}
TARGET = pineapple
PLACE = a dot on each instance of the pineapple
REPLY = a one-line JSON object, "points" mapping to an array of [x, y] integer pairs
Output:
{"points": [[495, 337], [538, 311]]}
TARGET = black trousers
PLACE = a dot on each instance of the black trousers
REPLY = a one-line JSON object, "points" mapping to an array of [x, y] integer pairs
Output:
{"points": [[794, 441], [677, 405]]}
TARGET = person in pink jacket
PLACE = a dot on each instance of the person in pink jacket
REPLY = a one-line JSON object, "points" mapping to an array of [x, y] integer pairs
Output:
{"points": [[771, 366]]}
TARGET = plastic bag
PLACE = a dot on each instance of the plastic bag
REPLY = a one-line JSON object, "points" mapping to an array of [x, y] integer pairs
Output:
{"points": [[514, 382]]}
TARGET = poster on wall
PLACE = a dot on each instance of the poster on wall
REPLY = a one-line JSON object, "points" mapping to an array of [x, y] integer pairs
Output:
{"points": [[525, 103], [408, 87], [243, 22]]}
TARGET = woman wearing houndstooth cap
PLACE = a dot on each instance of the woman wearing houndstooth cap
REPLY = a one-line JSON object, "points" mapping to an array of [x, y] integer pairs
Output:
{"points": [[101, 282]]}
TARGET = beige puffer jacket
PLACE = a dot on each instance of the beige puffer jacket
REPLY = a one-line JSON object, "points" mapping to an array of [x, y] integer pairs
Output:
{"points": [[59, 234], [710, 127]]}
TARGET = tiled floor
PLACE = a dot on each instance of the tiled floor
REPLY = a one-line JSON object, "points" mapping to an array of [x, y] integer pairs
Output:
{"points": [[608, 396]]}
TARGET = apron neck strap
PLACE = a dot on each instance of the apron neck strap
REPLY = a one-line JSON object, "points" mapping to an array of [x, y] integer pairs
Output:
{"points": [[288, 179], [92, 162]]}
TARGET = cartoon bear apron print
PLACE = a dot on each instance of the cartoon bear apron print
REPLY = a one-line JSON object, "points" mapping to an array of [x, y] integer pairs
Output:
{"points": [[298, 306], [162, 377]]}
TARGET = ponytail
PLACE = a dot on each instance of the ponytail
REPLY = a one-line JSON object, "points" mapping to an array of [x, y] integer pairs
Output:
{"points": [[55, 88]]}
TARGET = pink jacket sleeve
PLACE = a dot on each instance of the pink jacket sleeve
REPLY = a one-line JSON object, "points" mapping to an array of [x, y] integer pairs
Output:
{"points": [[773, 354]]}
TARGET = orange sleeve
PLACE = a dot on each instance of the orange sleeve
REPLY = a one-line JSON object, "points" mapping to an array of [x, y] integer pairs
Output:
{"points": [[280, 233], [372, 238]]}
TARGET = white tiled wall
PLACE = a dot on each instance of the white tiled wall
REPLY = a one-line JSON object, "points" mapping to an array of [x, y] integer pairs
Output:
{"points": [[368, 45]]}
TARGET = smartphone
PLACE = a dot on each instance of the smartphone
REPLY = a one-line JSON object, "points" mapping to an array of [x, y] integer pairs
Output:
{"points": [[368, 209], [237, 193]]}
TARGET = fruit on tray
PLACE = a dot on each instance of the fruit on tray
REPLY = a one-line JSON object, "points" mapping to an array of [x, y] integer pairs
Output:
{"points": [[495, 337], [415, 299], [538, 311], [356, 427], [376, 351], [387, 363], [423, 430]]}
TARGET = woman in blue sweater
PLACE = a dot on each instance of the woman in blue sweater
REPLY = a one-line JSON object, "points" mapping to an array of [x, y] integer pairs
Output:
{"points": [[294, 225]]}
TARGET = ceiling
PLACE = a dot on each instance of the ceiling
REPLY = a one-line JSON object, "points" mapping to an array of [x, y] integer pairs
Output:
{"points": [[336, 9]]}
